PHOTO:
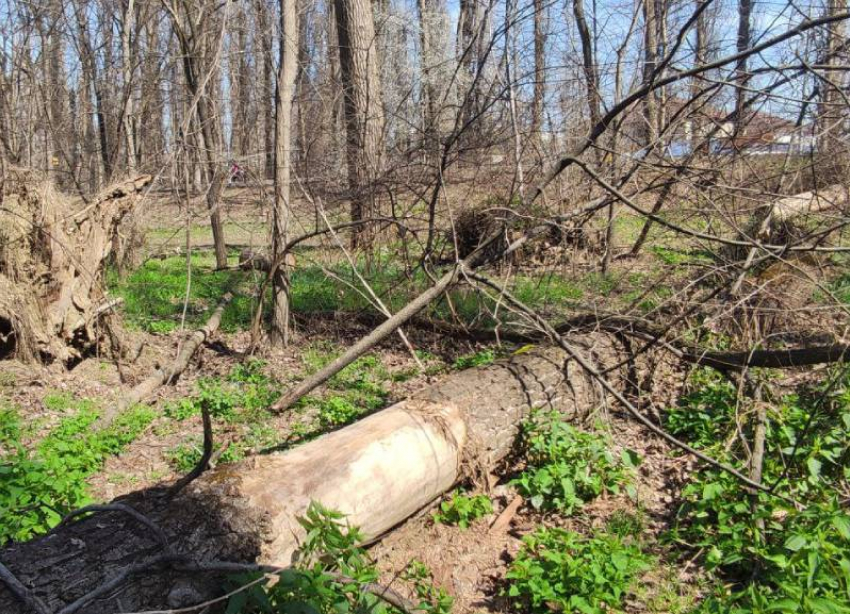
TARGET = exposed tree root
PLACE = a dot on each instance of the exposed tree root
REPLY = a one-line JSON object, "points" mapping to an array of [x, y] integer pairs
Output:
{"points": [[52, 257]]}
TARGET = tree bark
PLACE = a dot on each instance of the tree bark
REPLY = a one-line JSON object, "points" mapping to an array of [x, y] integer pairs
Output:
{"points": [[127, 27], [539, 72], [832, 109], [192, 48], [378, 471], [287, 73], [431, 22], [364, 117], [741, 78], [650, 43]]}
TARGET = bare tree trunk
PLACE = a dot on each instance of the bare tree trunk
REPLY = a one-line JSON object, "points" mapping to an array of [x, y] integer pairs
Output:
{"points": [[832, 106], [510, 15], [650, 43], [364, 117], [265, 35], [741, 77], [700, 46], [589, 62], [287, 73], [430, 19], [192, 48], [127, 73], [539, 72], [468, 25]]}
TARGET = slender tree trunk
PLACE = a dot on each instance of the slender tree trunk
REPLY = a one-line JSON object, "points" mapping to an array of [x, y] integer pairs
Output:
{"points": [[127, 73], [700, 56], [430, 19], [832, 107], [468, 24], [539, 72], [741, 76], [590, 71], [266, 103], [364, 116], [286, 76], [650, 43], [193, 56]]}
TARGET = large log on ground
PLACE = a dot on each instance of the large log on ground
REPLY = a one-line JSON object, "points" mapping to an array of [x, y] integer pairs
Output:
{"points": [[377, 471]]}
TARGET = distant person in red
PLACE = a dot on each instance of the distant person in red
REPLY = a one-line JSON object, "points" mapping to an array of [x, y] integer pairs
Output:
{"points": [[237, 173]]}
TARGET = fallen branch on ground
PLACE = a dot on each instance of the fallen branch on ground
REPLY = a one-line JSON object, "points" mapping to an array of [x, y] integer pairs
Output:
{"points": [[162, 376]]}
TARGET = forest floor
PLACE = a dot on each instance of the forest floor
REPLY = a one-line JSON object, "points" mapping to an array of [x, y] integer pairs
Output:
{"points": [[468, 563]]}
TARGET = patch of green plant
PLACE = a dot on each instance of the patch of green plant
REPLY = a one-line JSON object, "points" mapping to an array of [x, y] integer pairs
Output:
{"points": [[241, 399], [563, 571], [39, 486], [10, 427], [768, 554], [568, 467], [62, 402], [337, 411], [358, 389], [154, 294], [675, 257], [220, 400], [184, 456], [539, 292], [329, 576], [706, 411], [462, 510], [482, 358], [430, 598], [601, 283], [623, 523]]}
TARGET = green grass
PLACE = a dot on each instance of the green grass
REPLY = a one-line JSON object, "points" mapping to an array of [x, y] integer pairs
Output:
{"points": [[154, 294], [202, 233]]}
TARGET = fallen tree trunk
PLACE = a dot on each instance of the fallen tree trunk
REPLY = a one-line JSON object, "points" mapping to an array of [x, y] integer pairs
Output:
{"points": [[785, 209], [377, 471]]}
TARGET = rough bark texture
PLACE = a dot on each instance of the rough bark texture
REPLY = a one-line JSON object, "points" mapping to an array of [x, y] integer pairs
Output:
{"points": [[364, 117], [650, 52], [378, 471], [52, 256]]}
